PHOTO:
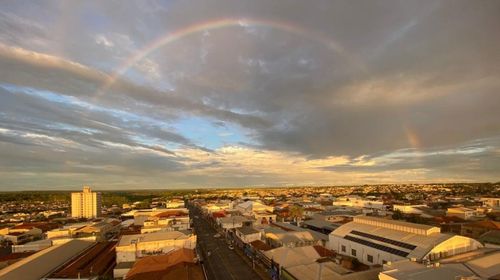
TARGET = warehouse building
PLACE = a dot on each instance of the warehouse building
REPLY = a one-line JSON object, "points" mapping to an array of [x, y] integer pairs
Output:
{"points": [[376, 241], [40, 264]]}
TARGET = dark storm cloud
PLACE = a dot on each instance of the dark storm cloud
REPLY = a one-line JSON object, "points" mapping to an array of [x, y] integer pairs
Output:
{"points": [[419, 76], [24, 68], [34, 114], [425, 75]]}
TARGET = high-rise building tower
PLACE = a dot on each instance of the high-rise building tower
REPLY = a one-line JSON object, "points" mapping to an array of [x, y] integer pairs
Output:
{"points": [[86, 204]]}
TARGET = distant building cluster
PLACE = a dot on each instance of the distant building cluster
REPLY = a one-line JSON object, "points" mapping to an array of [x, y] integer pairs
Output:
{"points": [[371, 233]]}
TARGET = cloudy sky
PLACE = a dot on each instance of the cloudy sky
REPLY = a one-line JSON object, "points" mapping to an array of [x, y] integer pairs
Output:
{"points": [[178, 94]]}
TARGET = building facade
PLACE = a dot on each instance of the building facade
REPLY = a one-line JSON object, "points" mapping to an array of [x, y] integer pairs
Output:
{"points": [[86, 204]]}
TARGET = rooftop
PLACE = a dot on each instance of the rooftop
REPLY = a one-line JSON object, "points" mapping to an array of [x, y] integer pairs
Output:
{"points": [[397, 225], [178, 264], [286, 257], [247, 230], [482, 263], [39, 264], [97, 259], [397, 235], [126, 240], [322, 224], [172, 213], [260, 245], [492, 237]]}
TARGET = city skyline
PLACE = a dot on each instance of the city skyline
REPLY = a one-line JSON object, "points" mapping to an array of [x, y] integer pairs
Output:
{"points": [[183, 94]]}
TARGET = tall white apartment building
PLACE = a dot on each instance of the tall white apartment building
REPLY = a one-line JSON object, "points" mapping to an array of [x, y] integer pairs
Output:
{"points": [[86, 204]]}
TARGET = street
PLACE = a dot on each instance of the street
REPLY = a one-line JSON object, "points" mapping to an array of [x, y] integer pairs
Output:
{"points": [[222, 263]]}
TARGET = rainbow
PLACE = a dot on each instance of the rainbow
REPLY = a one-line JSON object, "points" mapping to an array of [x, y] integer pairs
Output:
{"points": [[222, 23]]}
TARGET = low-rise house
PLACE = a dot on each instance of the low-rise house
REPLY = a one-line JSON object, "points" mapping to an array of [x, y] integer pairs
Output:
{"points": [[167, 221], [233, 222], [491, 239], [178, 264], [285, 256], [326, 269], [66, 231], [358, 202], [309, 212], [20, 234], [321, 226], [476, 229], [415, 209], [312, 263], [264, 217], [277, 237], [33, 246], [101, 230], [318, 237], [309, 204], [461, 212], [337, 215], [491, 202], [140, 216], [248, 234], [217, 207], [175, 203], [248, 208], [131, 247]]}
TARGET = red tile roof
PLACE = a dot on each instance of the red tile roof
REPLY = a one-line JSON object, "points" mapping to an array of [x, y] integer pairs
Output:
{"points": [[169, 266], [96, 260], [219, 214], [172, 213], [40, 225], [14, 256], [323, 252], [485, 224], [260, 245]]}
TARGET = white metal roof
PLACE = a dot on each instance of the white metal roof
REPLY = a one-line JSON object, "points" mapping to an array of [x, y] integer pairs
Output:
{"points": [[423, 243]]}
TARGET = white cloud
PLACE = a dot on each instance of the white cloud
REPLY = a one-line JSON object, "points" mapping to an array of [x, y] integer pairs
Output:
{"points": [[100, 39]]}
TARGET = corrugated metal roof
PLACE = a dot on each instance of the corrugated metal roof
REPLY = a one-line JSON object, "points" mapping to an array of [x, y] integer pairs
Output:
{"points": [[38, 265]]}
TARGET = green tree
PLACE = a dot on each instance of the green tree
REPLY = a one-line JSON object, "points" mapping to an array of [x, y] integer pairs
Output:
{"points": [[397, 215], [296, 212]]}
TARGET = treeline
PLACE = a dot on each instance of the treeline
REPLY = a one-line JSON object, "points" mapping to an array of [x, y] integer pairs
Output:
{"points": [[47, 196]]}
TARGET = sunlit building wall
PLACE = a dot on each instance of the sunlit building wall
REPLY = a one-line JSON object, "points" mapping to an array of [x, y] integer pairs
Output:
{"points": [[86, 204]]}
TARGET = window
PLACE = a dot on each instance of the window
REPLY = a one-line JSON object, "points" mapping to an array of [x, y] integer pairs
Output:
{"points": [[342, 248], [353, 252], [369, 258]]}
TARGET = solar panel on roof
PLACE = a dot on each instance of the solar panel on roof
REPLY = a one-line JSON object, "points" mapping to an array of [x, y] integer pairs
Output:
{"points": [[377, 246], [385, 240]]}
